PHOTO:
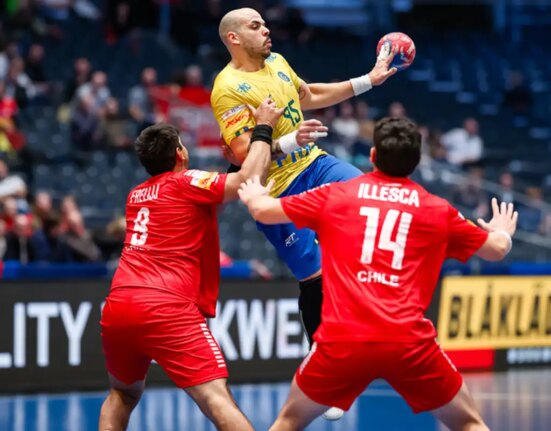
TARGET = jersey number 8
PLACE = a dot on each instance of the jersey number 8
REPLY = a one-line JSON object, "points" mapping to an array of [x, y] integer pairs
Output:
{"points": [[140, 227]]}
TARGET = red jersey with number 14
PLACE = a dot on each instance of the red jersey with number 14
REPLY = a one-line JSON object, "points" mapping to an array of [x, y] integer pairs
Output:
{"points": [[383, 241], [171, 240]]}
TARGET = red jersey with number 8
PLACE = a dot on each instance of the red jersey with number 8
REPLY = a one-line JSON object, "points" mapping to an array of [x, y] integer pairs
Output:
{"points": [[383, 242], [171, 242]]}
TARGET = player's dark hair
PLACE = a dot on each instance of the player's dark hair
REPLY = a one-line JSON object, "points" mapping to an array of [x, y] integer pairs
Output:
{"points": [[398, 145], [156, 148]]}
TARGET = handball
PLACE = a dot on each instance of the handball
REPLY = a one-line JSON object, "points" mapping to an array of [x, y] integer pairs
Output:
{"points": [[405, 49]]}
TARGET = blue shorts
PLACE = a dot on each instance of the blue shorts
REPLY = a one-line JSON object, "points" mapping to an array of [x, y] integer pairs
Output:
{"points": [[299, 247]]}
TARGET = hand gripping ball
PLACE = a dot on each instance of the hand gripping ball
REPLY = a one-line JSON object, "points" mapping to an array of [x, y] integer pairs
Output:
{"points": [[405, 49]]}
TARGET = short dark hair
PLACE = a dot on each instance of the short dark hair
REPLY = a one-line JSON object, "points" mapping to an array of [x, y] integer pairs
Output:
{"points": [[156, 148], [398, 145]]}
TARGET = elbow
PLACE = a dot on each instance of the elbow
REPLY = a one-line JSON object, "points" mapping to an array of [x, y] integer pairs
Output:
{"points": [[501, 252], [495, 256], [496, 253]]}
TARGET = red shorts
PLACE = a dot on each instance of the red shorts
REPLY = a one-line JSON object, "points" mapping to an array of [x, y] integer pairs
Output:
{"points": [[136, 330], [336, 373]]}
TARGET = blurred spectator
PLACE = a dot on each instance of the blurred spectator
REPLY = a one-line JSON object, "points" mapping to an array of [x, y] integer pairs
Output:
{"points": [[366, 127], [506, 192], [82, 72], [463, 145], [68, 204], [426, 159], [34, 68], [42, 208], [470, 196], [11, 139], [97, 90], [79, 239], [531, 216], [397, 110], [346, 126], [25, 244], [114, 127], [518, 98], [11, 185], [111, 239], [434, 142], [140, 103], [193, 89], [72, 232], [9, 212], [18, 84], [367, 124], [34, 64], [59, 249], [85, 128]]}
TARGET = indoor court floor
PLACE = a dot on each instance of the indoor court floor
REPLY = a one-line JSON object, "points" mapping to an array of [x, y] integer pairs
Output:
{"points": [[512, 401]]}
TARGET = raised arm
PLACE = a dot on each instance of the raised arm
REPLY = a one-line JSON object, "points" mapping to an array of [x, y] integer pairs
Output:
{"points": [[316, 96], [502, 227], [257, 160]]}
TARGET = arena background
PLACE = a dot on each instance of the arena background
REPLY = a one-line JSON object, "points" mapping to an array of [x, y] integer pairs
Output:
{"points": [[480, 88]]}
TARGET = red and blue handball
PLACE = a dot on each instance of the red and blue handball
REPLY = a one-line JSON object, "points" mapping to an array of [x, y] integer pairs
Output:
{"points": [[405, 49]]}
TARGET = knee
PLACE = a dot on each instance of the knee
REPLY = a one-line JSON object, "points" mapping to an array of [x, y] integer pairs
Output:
{"points": [[215, 402], [286, 423], [128, 398]]}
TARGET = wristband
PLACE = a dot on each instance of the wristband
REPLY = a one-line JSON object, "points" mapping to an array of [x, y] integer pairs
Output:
{"points": [[288, 143], [262, 132], [509, 239], [361, 84]]}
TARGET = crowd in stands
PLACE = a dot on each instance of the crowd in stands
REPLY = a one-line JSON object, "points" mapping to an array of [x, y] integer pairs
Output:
{"points": [[39, 225]]}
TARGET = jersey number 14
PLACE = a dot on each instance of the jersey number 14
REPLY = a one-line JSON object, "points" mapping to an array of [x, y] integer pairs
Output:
{"points": [[397, 246]]}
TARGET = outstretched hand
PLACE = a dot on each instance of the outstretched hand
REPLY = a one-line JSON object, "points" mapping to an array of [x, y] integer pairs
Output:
{"points": [[503, 218], [310, 131], [382, 70], [253, 188]]}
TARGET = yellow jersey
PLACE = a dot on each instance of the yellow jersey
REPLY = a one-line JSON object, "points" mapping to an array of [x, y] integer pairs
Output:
{"points": [[234, 89]]}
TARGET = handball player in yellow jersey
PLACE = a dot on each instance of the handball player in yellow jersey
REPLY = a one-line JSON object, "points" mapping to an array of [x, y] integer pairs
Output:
{"points": [[253, 74]]}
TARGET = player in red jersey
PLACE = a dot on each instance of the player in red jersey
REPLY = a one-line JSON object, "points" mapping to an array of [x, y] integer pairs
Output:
{"points": [[167, 279], [383, 239]]}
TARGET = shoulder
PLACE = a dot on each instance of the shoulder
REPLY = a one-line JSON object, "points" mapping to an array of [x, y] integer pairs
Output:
{"points": [[436, 203], [199, 178], [224, 77], [225, 83]]}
